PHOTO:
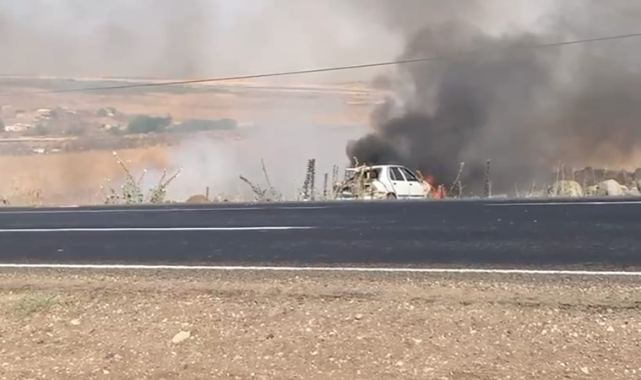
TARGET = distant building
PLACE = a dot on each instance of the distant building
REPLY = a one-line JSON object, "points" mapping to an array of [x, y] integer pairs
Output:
{"points": [[44, 114], [108, 127], [18, 127]]}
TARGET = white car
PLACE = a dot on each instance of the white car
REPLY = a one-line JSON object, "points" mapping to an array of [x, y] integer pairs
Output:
{"points": [[383, 182]]}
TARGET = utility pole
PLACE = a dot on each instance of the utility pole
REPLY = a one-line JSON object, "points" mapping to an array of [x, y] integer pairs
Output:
{"points": [[488, 179]]}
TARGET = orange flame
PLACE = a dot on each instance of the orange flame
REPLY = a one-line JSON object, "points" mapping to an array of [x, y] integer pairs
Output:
{"points": [[439, 192], [430, 179], [436, 191]]}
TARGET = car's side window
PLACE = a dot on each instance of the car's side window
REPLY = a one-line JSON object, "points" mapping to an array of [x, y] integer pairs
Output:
{"points": [[410, 176], [396, 175]]}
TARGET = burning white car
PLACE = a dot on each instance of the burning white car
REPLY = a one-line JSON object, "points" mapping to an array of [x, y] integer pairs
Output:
{"points": [[382, 182]]}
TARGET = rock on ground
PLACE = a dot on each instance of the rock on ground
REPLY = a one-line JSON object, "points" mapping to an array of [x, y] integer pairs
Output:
{"points": [[570, 189], [181, 337], [198, 199], [610, 188]]}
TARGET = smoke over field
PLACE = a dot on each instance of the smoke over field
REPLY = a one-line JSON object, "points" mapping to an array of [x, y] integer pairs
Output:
{"points": [[526, 109]]}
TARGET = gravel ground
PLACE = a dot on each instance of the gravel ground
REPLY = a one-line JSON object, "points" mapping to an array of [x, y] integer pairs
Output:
{"points": [[244, 325]]}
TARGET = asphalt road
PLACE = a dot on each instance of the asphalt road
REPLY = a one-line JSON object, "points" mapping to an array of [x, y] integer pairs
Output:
{"points": [[586, 234]]}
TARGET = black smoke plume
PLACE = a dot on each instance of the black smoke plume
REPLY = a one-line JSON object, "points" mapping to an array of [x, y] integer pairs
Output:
{"points": [[526, 109]]}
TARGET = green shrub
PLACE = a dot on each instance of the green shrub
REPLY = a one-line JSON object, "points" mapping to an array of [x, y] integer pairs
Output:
{"points": [[196, 125], [39, 130], [76, 130], [35, 303], [148, 124]]}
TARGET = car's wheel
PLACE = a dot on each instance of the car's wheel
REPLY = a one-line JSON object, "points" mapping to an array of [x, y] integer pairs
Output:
{"points": [[391, 196]]}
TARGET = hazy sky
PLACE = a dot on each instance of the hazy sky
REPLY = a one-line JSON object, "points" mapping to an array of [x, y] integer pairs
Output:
{"points": [[169, 38]]}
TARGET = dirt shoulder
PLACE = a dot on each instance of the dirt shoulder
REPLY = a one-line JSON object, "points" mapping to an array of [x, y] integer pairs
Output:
{"points": [[241, 325]]}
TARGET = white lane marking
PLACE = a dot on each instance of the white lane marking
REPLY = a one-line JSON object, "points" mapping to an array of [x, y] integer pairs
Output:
{"points": [[302, 208], [159, 210], [564, 204], [149, 229], [321, 269]]}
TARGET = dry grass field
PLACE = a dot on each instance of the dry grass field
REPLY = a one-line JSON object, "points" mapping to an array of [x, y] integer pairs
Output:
{"points": [[76, 177], [338, 104], [69, 178]]}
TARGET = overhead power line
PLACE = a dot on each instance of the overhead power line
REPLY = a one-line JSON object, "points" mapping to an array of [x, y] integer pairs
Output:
{"points": [[328, 69]]}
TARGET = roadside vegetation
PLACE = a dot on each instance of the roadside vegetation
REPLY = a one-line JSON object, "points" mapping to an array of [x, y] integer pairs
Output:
{"points": [[29, 304], [138, 187], [132, 191]]}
